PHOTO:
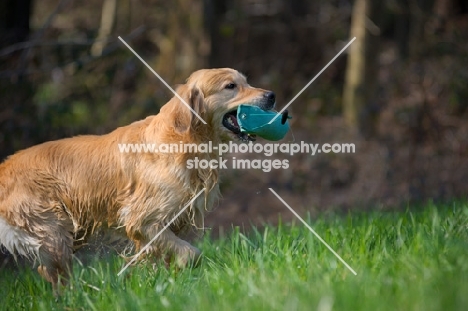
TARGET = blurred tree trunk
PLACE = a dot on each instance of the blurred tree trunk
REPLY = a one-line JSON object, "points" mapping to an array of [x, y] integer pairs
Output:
{"points": [[360, 104], [402, 26], [184, 46], [353, 96], [109, 10], [14, 21], [214, 11], [17, 112]]}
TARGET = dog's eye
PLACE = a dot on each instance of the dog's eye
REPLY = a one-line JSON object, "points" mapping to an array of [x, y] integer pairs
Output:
{"points": [[230, 86]]}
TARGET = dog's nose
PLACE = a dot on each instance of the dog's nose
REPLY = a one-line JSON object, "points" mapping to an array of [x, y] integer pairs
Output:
{"points": [[270, 97]]}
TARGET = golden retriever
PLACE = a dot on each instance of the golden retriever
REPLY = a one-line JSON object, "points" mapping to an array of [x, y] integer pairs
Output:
{"points": [[57, 192]]}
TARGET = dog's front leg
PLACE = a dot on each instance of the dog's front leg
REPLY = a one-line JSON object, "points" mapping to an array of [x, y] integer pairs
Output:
{"points": [[179, 250], [170, 247]]}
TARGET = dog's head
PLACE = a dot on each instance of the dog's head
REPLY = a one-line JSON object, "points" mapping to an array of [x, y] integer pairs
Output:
{"points": [[214, 95]]}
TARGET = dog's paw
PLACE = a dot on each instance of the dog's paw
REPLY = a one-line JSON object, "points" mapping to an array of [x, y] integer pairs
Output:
{"points": [[188, 256]]}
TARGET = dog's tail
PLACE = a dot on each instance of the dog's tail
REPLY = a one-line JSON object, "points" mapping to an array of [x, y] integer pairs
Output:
{"points": [[17, 241]]}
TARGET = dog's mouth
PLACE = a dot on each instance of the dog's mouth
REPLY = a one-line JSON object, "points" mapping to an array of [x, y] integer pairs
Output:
{"points": [[230, 122]]}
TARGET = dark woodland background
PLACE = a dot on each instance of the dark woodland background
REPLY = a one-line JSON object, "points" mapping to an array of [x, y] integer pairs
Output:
{"points": [[399, 92]]}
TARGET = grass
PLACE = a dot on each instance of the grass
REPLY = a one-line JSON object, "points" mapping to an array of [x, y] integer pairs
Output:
{"points": [[413, 260]]}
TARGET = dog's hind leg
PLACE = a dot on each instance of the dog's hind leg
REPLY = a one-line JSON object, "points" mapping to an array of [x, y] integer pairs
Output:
{"points": [[42, 235], [55, 259], [56, 250]]}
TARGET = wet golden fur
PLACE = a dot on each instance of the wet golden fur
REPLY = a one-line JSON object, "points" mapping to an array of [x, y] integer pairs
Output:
{"points": [[52, 193]]}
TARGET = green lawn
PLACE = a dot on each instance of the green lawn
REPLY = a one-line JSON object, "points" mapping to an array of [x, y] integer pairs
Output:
{"points": [[414, 260]]}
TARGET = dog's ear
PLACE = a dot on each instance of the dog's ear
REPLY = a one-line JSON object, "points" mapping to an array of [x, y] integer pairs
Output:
{"points": [[197, 103], [188, 113]]}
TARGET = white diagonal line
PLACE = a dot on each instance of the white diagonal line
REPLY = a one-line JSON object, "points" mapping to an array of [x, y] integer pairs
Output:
{"points": [[161, 79], [159, 233], [310, 82], [312, 230]]}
